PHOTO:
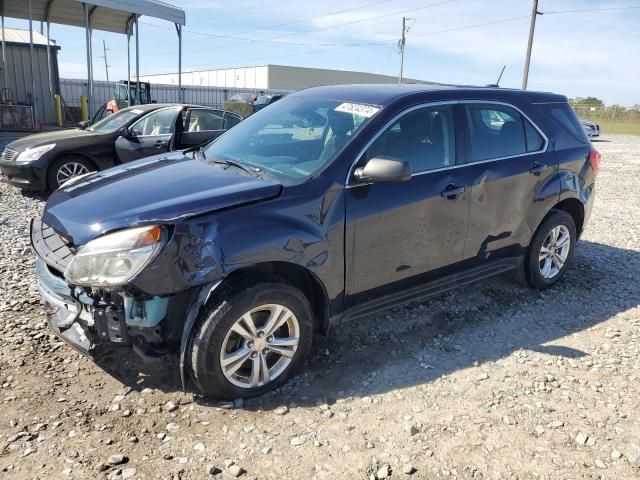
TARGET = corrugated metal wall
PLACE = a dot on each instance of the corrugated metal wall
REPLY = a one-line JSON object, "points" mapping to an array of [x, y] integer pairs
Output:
{"points": [[72, 89], [18, 65]]}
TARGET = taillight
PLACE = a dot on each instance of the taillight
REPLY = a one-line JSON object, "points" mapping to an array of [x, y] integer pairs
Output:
{"points": [[594, 160]]}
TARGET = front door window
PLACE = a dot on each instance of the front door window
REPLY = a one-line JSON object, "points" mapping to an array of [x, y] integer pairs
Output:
{"points": [[160, 122]]}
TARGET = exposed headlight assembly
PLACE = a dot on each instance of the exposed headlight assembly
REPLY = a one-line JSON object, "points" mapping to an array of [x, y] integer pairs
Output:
{"points": [[115, 258], [31, 154]]}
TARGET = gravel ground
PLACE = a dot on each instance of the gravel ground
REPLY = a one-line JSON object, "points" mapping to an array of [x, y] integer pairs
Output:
{"points": [[490, 381]]}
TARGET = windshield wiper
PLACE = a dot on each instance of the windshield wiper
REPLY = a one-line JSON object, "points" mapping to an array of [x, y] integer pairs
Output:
{"points": [[232, 163]]}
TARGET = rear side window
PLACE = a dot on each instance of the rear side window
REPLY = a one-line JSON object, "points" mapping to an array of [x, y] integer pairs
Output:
{"points": [[563, 115], [498, 131], [205, 120]]}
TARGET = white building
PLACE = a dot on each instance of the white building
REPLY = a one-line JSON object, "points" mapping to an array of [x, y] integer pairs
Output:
{"points": [[274, 77]]}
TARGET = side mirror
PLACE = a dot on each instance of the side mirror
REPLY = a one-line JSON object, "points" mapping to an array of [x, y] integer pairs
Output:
{"points": [[124, 132], [381, 169], [83, 125]]}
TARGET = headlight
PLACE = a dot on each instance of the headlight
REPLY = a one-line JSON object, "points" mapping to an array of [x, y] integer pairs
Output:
{"points": [[115, 258], [31, 154]]}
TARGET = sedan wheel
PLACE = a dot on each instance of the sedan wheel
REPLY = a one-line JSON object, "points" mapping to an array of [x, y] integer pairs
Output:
{"points": [[260, 346], [66, 168], [70, 170]]}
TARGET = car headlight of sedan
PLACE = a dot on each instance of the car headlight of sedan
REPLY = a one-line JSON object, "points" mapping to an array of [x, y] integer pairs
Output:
{"points": [[31, 154], [115, 258]]}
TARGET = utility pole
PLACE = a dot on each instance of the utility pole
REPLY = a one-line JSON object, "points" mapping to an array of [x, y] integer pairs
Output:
{"points": [[401, 43], [532, 27], [106, 65]]}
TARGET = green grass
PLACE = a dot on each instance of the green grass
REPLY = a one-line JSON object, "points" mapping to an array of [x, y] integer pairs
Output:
{"points": [[621, 127]]}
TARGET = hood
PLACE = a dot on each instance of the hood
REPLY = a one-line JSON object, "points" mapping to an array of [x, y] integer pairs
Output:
{"points": [[38, 139], [155, 190]]}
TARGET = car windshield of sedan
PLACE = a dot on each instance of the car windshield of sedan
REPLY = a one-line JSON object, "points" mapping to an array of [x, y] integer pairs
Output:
{"points": [[115, 121], [294, 137]]}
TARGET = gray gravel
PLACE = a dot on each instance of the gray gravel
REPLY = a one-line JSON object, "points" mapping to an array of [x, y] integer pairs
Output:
{"points": [[492, 381]]}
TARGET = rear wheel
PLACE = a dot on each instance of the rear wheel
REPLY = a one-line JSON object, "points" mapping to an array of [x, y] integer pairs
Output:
{"points": [[251, 341], [551, 250], [65, 169]]}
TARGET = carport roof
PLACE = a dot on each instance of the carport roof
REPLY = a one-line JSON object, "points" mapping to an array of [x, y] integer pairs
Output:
{"points": [[107, 15]]}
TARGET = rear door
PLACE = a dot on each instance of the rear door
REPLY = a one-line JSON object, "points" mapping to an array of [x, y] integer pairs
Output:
{"points": [[150, 135], [201, 125], [510, 167], [399, 235]]}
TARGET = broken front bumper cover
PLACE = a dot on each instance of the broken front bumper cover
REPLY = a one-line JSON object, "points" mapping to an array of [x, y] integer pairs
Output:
{"points": [[83, 322], [63, 310]]}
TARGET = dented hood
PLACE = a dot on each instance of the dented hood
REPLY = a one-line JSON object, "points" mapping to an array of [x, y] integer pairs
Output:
{"points": [[155, 190]]}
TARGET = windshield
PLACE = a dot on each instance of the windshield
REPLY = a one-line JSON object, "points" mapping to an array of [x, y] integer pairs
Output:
{"points": [[294, 137], [115, 121]]}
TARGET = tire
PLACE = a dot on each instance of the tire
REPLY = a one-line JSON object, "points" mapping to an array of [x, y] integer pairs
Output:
{"points": [[213, 333], [541, 274], [71, 164]]}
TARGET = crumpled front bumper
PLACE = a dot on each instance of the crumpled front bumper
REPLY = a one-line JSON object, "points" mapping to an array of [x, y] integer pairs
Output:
{"points": [[63, 311]]}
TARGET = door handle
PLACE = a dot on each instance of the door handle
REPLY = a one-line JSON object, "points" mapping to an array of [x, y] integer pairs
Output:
{"points": [[538, 168], [161, 143], [452, 191]]}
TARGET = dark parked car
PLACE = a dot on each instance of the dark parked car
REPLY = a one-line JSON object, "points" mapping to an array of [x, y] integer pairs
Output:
{"points": [[331, 204], [46, 160], [264, 100]]}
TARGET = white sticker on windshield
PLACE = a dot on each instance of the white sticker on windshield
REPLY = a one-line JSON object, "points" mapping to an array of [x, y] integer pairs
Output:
{"points": [[137, 111], [358, 109]]}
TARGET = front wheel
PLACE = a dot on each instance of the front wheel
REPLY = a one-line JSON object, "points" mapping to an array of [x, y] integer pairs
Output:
{"points": [[551, 250], [65, 169], [252, 341]]}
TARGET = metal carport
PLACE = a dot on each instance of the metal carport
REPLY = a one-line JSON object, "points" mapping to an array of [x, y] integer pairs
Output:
{"points": [[118, 16]]}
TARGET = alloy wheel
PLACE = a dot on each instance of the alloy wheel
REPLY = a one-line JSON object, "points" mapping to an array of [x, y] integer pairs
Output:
{"points": [[260, 346], [70, 170], [554, 252]]}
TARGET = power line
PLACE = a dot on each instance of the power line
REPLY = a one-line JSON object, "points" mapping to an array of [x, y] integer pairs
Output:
{"points": [[276, 25], [390, 42], [306, 19], [243, 39], [385, 42], [477, 25], [270, 39], [377, 17], [587, 10]]}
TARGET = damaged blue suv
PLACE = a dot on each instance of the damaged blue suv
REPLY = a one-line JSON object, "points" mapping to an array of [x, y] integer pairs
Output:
{"points": [[330, 205]]}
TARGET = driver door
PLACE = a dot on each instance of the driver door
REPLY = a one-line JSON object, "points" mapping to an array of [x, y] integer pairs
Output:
{"points": [[401, 235], [151, 135]]}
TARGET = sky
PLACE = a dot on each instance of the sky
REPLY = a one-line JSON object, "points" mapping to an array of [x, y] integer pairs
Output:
{"points": [[581, 47]]}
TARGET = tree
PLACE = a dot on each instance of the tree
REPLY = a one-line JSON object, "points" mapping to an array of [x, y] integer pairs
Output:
{"points": [[586, 102]]}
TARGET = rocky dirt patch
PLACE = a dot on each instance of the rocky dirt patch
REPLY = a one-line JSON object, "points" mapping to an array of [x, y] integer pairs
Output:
{"points": [[492, 381]]}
